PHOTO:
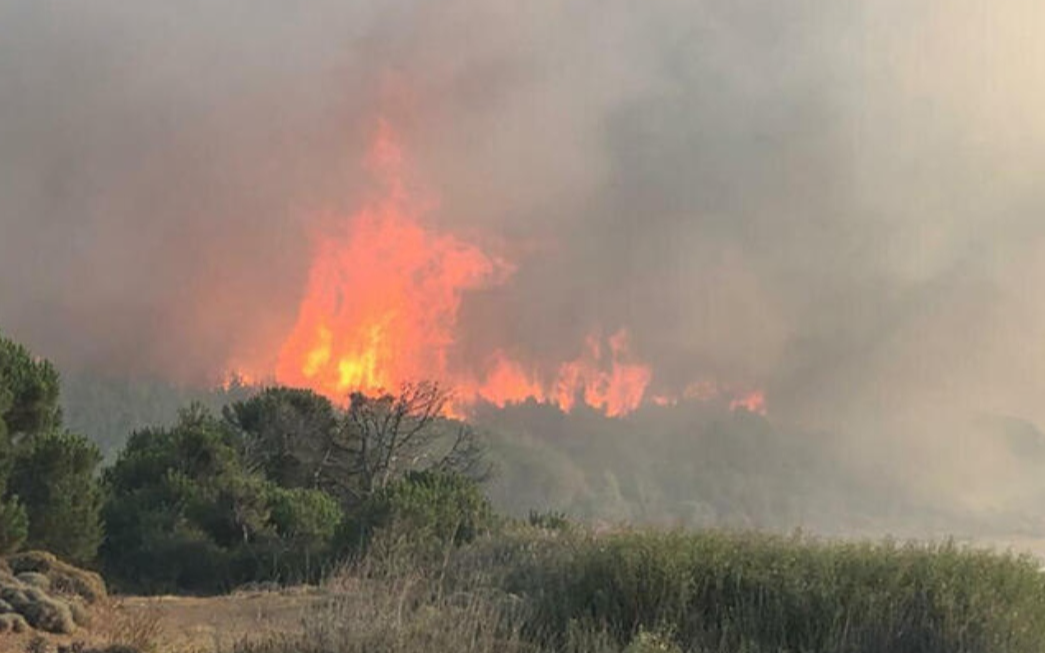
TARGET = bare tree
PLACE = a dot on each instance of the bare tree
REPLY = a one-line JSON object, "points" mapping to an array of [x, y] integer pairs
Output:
{"points": [[298, 439], [391, 435]]}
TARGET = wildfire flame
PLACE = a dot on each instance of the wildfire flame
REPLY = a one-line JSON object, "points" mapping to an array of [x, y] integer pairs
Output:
{"points": [[381, 306]]}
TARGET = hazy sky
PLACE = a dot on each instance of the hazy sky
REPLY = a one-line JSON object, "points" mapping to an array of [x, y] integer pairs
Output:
{"points": [[838, 202]]}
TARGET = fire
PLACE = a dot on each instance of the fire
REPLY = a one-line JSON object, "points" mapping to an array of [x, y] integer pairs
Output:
{"points": [[752, 402], [616, 385], [382, 298], [381, 304]]}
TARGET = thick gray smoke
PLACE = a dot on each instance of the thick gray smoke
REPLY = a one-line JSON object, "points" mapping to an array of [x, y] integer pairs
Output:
{"points": [[837, 202]]}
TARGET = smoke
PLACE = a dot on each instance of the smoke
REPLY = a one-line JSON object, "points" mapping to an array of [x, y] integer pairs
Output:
{"points": [[836, 202]]}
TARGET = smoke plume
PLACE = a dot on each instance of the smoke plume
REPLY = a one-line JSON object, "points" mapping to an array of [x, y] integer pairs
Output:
{"points": [[837, 203]]}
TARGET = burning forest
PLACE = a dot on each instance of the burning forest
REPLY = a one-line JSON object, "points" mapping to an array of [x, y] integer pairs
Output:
{"points": [[522, 326], [813, 228], [381, 310]]}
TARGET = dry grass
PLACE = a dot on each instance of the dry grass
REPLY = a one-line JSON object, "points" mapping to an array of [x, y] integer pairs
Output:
{"points": [[583, 593], [184, 624]]}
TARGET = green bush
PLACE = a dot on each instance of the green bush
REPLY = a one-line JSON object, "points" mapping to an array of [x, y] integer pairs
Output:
{"points": [[28, 391], [185, 513], [428, 512], [54, 477], [49, 493], [287, 433], [14, 525], [179, 505], [305, 522]]}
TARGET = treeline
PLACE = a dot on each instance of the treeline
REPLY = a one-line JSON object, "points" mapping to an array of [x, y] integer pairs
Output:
{"points": [[278, 486], [697, 464], [108, 408]]}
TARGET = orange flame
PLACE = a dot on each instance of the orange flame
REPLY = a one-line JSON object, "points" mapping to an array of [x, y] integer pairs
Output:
{"points": [[381, 305], [382, 298], [753, 402], [615, 386]]}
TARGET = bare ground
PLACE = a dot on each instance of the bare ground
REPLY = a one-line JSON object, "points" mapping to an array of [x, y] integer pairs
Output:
{"points": [[187, 624]]}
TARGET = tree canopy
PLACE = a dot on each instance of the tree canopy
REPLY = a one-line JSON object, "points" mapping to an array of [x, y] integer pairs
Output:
{"points": [[49, 495]]}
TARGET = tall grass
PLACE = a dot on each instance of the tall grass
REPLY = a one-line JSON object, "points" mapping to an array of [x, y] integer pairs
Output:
{"points": [[753, 593], [709, 593]]}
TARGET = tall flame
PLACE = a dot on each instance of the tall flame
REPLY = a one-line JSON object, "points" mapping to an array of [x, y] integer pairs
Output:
{"points": [[381, 306], [382, 297]]}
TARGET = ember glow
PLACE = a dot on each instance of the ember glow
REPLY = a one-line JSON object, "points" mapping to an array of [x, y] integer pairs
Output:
{"points": [[381, 309]]}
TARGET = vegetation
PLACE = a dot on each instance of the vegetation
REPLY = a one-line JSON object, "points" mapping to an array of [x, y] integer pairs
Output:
{"points": [[39, 591], [725, 592], [383, 498], [49, 496], [697, 464], [184, 513], [427, 512], [530, 590], [54, 476]]}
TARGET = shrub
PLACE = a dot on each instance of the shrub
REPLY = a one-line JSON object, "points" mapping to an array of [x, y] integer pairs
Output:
{"points": [[40, 610], [287, 433], [426, 512], [34, 579], [180, 509], [49, 495], [305, 522], [12, 622], [14, 524], [47, 613], [551, 520], [63, 577], [54, 475]]}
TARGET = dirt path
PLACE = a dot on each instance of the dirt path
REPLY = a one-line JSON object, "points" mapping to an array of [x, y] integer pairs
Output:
{"points": [[188, 623]]}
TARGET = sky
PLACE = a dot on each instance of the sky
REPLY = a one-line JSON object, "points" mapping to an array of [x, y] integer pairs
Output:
{"points": [[835, 202]]}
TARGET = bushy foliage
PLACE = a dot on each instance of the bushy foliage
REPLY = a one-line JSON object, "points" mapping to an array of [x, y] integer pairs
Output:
{"points": [[185, 513], [308, 516], [701, 465], [54, 477], [290, 434], [305, 523], [428, 511], [258, 495], [28, 391], [46, 594], [63, 578], [14, 525], [49, 495], [178, 500]]}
